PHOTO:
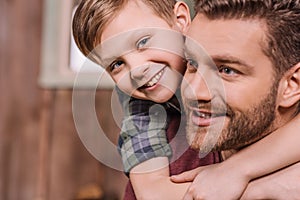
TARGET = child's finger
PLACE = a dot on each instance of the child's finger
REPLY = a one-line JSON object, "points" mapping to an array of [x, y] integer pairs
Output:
{"points": [[186, 176]]}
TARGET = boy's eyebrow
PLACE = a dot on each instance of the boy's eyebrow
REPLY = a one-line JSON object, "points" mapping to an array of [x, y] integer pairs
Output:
{"points": [[126, 42], [108, 51], [118, 45]]}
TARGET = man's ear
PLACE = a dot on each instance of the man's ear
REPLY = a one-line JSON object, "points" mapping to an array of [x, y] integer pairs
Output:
{"points": [[182, 14], [291, 87]]}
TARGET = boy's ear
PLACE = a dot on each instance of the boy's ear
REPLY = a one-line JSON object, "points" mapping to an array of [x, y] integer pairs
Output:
{"points": [[291, 87], [182, 14]]}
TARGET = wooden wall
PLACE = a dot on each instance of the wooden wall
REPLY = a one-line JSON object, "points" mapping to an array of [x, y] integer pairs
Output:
{"points": [[41, 156]]}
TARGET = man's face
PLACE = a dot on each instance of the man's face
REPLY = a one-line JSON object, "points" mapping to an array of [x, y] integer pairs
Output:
{"points": [[230, 100]]}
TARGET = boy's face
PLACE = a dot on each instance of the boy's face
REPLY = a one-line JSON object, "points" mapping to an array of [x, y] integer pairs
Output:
{"points": [[142, 53]]}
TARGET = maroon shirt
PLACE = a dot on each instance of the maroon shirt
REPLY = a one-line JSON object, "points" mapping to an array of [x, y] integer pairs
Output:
{"points": [[184, 157]]}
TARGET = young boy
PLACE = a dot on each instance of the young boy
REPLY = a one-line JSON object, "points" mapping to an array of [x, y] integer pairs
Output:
{"points": [[143, 136], [147, 70]]}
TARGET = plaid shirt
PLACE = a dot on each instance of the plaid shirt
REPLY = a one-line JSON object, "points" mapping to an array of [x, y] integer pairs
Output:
{"points": [[143, 130]]}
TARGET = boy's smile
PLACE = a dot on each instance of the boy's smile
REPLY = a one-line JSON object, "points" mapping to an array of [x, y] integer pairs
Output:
{"points": [[154, 80]]}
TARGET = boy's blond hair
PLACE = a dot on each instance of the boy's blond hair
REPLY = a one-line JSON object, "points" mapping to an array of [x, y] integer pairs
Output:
{"points": [[92, 16]]}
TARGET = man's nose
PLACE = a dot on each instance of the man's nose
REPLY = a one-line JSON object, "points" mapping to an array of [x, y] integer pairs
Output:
{"points": [[196, 88]]}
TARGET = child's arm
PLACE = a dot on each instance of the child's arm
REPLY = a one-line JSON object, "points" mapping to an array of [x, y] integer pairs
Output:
{"points": [[275, 151], [144, 150], [284, 184], [143, 132], [156, 184]]}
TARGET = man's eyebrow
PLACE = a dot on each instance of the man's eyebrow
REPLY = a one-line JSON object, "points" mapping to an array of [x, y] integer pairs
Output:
{"points": [[199, 55], [188, 52], [230, 60]]}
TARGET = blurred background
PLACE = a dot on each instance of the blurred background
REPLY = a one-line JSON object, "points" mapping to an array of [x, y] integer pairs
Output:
{"points": [[41, 155]]}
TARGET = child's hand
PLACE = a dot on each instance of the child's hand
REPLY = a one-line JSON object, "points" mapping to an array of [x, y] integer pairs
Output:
{"points": [[284, 184], [213, 182]]}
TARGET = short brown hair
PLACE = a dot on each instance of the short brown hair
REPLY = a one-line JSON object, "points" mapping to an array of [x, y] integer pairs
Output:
{"points": [[282, 20], [91, 17]]}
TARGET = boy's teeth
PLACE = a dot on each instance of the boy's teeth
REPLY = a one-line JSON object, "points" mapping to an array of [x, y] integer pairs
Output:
{"points": [[154, 80]]}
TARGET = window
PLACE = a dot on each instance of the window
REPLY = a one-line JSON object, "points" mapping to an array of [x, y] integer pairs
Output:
{"points": [[62, 64]]}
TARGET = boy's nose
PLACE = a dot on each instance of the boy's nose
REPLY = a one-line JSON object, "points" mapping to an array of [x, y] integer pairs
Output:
{"points": [[137, 64], [139, 72]]}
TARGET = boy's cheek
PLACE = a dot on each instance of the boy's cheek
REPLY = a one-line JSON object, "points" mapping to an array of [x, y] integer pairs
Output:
{"points": [[124, 83]]}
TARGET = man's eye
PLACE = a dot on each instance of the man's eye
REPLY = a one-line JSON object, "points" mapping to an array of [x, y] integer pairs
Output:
{"points": [[228, 71], [191, 66], [142, 42], [115, 65], [192, 63]]}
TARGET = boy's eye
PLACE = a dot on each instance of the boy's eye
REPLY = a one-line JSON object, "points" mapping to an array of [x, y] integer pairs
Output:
{"points": [[115, 65], [142, 42]]}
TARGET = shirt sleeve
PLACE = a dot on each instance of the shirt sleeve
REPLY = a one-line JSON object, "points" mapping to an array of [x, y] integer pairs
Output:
{"points": [[143, 132]]}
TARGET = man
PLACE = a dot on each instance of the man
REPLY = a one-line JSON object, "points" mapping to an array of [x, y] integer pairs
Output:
{"points": [[255, 46]]}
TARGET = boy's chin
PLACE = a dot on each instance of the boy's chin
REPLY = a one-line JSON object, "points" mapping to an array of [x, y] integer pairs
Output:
{"points": [[161, 100]]}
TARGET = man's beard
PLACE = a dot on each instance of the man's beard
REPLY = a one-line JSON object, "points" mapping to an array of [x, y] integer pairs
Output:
{"points": [[243, 128]]}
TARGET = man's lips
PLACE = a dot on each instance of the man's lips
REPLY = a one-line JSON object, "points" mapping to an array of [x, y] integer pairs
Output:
{"points": [[202, 117]]}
